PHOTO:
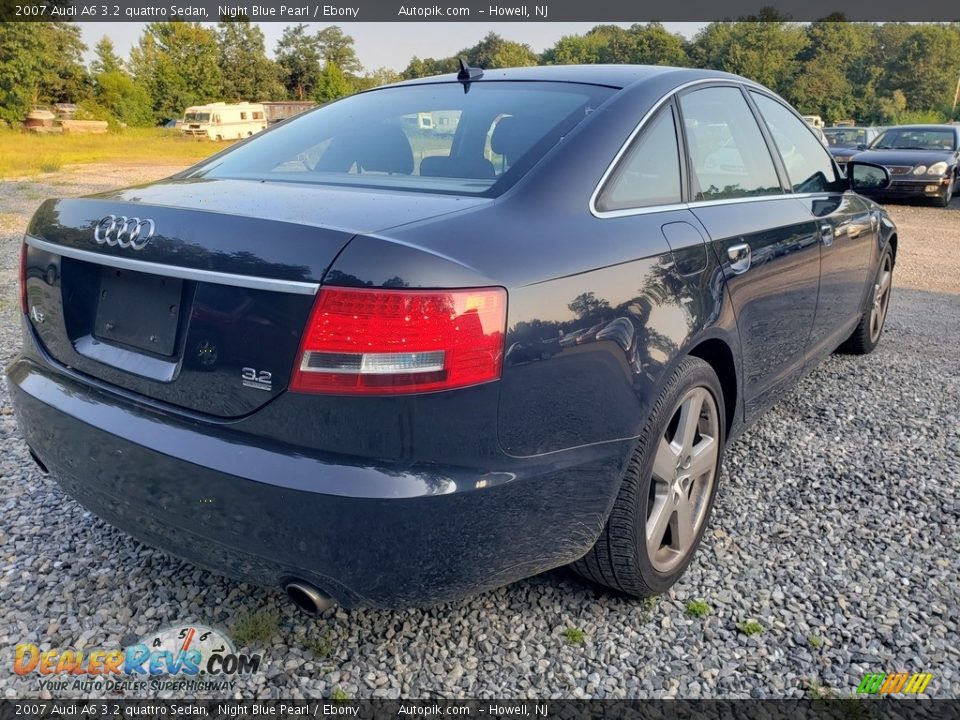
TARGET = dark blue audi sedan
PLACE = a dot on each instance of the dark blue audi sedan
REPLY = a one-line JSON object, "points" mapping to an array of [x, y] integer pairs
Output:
{"points": [[447, 334]]}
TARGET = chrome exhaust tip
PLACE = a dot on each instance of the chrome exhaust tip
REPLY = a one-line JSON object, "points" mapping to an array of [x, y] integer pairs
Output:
{"points": [[309, 599]]}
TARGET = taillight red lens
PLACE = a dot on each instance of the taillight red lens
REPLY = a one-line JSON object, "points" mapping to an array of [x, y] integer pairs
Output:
{"points": [[384, 342], [23, 278]]}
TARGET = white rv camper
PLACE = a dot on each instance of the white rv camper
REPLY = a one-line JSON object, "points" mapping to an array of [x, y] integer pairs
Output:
{"points": [[223, 121]]}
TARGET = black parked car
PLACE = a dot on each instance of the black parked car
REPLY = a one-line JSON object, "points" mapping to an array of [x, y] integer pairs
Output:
{"points": [[922, 160], [365, 360], [846, 141]]}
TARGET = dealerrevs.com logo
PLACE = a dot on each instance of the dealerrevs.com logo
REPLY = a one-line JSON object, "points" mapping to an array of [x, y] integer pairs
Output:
{"points": [[188, 658], [894, 683]]}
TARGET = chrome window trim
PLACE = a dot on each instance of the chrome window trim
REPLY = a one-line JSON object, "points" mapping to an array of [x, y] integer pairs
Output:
{"points": [[709, 203], [627, 212], [211, 276]]}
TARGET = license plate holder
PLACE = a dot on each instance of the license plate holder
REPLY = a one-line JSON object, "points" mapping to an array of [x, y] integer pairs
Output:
{"points": [[138, 310]]}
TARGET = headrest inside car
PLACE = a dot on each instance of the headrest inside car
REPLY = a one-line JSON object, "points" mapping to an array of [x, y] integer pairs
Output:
{"points": [[514, 135], [385, 148]]}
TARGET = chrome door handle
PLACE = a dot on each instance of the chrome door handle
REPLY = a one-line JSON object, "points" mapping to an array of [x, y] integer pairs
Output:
{"points": [[739, 258], [826, 234]]}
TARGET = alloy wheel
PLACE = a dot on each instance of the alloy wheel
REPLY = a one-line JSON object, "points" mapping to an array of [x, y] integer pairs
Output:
{"points": [[684, 472], [881, 298]]}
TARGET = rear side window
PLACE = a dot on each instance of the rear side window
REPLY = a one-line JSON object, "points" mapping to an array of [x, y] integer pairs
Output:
{"points": [[650, 172], [430, 137], [728, 155], [808, 163]]}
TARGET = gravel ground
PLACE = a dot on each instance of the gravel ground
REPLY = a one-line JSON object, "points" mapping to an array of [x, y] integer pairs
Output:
{"points": [[835, 530]]}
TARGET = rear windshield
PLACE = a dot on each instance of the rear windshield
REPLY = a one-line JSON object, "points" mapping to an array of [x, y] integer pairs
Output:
{"points": [[915, 139], [430, 138]]}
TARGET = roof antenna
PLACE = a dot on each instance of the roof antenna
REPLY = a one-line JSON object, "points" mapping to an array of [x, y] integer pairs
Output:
{"points": [[468, 74]]}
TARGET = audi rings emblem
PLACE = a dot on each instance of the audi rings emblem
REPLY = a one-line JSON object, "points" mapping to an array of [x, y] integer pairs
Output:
{"points": [[125, 232]]}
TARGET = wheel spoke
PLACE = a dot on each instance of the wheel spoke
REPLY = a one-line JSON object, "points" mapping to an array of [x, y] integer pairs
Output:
{"points": [[885, 282], [689, 421], [665, 461], [704, 457], [881, 316], [682, 529], [657, 523]]}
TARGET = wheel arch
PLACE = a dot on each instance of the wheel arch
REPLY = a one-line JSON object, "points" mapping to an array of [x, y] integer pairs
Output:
{"points": [[719, 355]]}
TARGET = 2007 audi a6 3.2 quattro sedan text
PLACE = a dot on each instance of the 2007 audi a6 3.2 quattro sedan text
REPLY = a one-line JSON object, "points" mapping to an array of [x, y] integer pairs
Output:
{"points": [[442, 335]]}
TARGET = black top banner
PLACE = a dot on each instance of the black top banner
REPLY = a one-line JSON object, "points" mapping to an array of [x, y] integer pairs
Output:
{"points": [[296, 11]]}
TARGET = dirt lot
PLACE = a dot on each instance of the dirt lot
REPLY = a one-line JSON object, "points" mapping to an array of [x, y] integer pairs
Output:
{"points": [[929, 253], [832, 551]]}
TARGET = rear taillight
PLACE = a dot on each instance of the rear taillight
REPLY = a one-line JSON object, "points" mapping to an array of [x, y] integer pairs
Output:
{"points": [[384, 342], [23, 278]]}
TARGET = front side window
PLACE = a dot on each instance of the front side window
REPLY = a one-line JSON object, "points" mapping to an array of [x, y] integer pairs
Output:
{"points": [[728, 155], [650, 172], [388, 138], [807, 162]]}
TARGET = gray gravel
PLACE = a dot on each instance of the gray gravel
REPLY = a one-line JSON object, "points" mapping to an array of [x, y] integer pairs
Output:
{"points": [[836, 530]]}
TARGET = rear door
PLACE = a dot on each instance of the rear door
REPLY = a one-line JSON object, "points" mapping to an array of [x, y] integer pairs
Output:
{"points": [[766, 240], [847, 226]]}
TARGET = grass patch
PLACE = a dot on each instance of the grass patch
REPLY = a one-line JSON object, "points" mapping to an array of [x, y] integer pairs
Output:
{"points": [[649, 604], [750, 627], [24, 154], [574, 636], [698, 608], [820, 692], [339, 694], [321, 647], [815, 641], [255, 629]]}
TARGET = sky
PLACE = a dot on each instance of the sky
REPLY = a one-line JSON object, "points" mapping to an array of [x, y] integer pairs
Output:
{"points": [[391, 45]]}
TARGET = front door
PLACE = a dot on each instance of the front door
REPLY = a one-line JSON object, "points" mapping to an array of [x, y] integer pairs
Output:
{"points": [[766, 241], [846, 225]]}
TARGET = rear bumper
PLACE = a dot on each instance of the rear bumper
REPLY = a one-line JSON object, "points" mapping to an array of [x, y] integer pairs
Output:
{"points": [[367, 534]]}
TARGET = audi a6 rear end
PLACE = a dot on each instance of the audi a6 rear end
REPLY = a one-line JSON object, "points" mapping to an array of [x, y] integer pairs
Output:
{"points": [[392, 365]]}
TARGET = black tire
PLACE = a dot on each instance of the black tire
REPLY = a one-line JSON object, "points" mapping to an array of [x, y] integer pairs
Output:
{"points": [[947, 197], [864, 340], [620, 559]]}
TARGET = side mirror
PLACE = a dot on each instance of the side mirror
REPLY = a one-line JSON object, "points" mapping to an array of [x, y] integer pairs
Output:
{"points": [[861, 146], [867, 176]]}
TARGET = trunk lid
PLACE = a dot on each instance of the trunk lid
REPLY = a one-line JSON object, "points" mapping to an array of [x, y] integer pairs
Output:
{"points": [[199, 298]]}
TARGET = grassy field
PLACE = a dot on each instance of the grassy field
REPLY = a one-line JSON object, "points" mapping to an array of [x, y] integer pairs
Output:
{"points": [[28, 154]]}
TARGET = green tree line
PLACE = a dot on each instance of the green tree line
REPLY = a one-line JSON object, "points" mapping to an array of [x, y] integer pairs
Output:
{"points": [[872, 72]]}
